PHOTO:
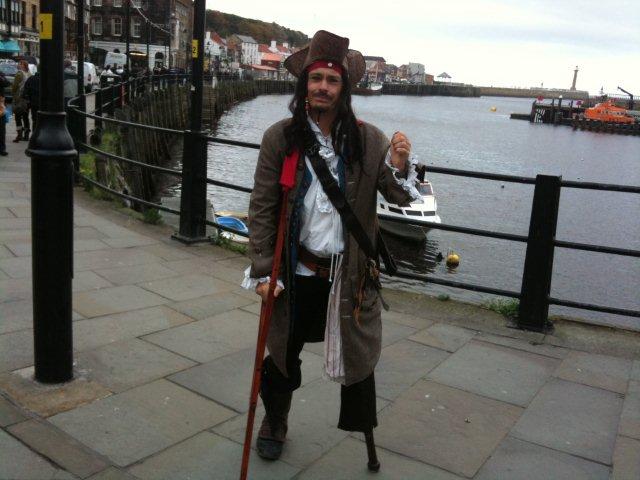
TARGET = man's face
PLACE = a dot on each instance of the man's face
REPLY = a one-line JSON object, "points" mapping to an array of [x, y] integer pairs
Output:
{"points": [[323, 89]]}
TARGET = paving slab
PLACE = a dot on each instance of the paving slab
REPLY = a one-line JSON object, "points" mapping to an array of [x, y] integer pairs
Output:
{"points": [[129, 363], [15, 289], [94, 332], [391, 333], [5, 252], [445, 337], [49, 399], [212, 379], [16, 350], [139, 422], [15, 235], [626, 459], [526, 345], [6, 213], [635, 371], [24, 211], [210, 305], [63, 450], [16, 267], [497, 372], [187, 287], [572, 418], [129, 241], [17, 462], [602, 371], [518, 460], [403, 364], [87, 280], [114, 300], [19, 249], [169, 251], [347, 460], [200, 456], [16, 315], [630, 419], [89, 245], [88, 233], [254, 308], [9, 414], [312, 424], [445, 427], [112, 258], [210, 338], [135, 273], [112, 473]]}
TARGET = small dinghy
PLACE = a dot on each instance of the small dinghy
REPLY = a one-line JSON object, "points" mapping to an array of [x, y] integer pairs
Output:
{"points": [[236, 224]]}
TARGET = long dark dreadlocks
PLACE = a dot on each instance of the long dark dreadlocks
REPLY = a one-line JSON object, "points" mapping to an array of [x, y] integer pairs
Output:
{"points": [[344, 132]]}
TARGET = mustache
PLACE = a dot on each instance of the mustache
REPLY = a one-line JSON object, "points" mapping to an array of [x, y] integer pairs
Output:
{"points": [[321, 95]]}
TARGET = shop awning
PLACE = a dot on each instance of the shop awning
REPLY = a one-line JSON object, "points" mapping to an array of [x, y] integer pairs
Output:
{"points": [[10, 46]]}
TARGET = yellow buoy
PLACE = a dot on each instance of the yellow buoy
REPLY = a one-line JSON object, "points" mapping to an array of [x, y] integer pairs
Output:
{"points": [[493, 109], [453, 260]]}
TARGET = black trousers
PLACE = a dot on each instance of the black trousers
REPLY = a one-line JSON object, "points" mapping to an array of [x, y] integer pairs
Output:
{"points": [[22, 119], [357, 401]]}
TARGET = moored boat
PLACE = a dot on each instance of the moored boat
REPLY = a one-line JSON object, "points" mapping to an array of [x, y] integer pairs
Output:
{"points": [[608, 112], [393, 218]]}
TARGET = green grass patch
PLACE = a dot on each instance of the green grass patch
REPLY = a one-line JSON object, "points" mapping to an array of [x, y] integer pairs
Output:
{"points": [[508, 308], [152, 216], [229, 245], [444, 297]]}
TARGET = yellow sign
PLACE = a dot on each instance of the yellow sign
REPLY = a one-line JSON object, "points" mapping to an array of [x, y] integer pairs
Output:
{"points": [[46, 26], [194, 48]]}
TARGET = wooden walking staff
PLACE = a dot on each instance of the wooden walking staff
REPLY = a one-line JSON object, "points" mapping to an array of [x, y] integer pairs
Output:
{"points": [[287, 180]]}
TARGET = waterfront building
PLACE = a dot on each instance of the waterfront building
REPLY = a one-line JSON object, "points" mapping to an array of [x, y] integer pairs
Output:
{"points": [[245, 49], [70, 27], [19, 28], [168, 24], [376, 69], [215, 50], [415, 73]]}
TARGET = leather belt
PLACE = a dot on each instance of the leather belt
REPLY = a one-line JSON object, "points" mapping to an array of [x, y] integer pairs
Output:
{"points": [[321, 266]]}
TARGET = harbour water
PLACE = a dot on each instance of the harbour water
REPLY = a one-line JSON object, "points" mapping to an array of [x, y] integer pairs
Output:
{"points": [[464, 133]]}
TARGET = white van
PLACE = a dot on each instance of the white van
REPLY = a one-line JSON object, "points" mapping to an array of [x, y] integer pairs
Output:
{"points": [[116, 60], [91, 78]]}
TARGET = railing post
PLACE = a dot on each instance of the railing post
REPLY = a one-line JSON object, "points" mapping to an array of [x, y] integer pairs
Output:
{"points": [[538, 264], [98, 107], [113, 95], [52, 152], [193, 200]]}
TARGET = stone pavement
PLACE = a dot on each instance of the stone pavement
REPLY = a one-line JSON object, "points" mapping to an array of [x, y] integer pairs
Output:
{"points": [[164, 339]]}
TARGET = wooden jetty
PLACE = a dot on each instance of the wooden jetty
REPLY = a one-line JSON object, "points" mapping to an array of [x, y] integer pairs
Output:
{"points": [[572, 114]]}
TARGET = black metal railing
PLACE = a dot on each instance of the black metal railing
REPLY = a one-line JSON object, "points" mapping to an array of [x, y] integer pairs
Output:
{"points": [[534, 294]]}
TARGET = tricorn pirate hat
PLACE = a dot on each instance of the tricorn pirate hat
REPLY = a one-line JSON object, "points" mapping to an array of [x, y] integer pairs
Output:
{"points": [[330, 47]]}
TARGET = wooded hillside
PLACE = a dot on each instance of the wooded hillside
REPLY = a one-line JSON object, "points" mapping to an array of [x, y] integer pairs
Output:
{"points": [[226, 24]]}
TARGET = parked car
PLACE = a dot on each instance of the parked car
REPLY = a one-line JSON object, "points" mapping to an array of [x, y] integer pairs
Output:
{"points": [[9, 71], [91, 77]]}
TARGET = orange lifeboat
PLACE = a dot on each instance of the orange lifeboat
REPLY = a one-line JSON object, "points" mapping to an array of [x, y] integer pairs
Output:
{"points": [[608, 112]]}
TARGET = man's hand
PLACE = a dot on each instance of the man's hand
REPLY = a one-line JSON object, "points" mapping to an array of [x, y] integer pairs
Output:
{"points": [[263, 290], [400, 150]]}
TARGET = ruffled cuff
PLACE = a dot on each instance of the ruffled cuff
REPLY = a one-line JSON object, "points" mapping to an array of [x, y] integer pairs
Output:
{"points": [[409, 183], [251, 283]]}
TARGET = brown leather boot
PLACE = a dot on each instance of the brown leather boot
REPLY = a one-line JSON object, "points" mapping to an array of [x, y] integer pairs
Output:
{"points": [[273, 430]]}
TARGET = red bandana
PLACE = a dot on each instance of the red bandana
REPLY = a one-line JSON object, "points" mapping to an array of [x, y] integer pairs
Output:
{"points": [[326, 64]]}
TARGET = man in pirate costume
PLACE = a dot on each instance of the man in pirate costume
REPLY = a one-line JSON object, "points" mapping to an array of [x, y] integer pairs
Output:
{"points": [[328, 288]]}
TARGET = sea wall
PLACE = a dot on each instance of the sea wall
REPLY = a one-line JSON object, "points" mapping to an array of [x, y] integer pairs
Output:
{"points": [[532, 93], [436, 90]]}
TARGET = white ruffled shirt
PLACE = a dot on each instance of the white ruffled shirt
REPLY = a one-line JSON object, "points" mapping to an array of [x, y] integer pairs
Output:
{"points": [[321, 233]]}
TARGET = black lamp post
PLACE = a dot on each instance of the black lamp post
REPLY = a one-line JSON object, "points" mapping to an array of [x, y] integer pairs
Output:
{"points": [[52, 152]]}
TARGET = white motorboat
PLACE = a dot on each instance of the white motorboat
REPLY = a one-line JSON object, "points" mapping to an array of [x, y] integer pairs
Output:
{"points": [[423, 212]]}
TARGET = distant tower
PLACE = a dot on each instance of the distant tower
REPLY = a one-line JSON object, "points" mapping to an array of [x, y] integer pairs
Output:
{"points": [[575, 77]]}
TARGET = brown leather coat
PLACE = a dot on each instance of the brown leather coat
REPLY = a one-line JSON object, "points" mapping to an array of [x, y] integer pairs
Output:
{"points": [[360, 341]]}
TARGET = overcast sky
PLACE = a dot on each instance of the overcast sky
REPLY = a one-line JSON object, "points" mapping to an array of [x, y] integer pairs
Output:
{"points": [[484, 42]]}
